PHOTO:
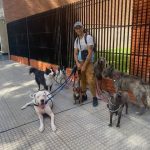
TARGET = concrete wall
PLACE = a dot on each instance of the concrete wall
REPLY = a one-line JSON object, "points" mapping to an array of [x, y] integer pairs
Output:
{"points": [[3, 31], [3, 37]]}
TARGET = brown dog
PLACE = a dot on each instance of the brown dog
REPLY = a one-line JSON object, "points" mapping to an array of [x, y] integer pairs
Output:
{"points": [[116, 104]]}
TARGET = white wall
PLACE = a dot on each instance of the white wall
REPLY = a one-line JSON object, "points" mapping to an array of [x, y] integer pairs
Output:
{"points": [[3, 31]]}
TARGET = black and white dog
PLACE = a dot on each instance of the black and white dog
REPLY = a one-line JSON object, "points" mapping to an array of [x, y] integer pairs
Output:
{"points": [[49, 76], [43, 78]]}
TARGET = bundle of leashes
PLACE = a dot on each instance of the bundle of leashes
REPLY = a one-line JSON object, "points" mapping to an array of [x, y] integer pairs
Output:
{"points": [[57, 90]]}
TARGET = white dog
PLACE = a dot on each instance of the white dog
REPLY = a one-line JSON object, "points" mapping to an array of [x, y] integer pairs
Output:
{"points": [[60, 76], [40, 106]]}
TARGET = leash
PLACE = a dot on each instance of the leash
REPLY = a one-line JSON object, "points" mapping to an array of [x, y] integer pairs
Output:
{"points": [[115, 110], [62, 85], [57, 90]]}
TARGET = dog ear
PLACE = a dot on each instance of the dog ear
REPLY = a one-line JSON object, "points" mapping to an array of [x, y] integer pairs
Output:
{"points": [[32, 95]]}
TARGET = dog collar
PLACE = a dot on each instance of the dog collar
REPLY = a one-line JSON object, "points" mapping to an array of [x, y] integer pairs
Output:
{"points": [[36, 105]]}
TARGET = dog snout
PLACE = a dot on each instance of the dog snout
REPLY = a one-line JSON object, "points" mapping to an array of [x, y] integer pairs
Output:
{"points": [[42, 101], [101, 61]]}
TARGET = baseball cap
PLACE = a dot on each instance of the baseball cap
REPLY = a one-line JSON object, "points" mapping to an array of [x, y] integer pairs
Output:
{"points": [[78, 23]]}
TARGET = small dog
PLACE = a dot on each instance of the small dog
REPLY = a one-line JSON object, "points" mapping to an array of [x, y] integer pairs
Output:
{"points": [[116, 104], [131, 83], [39, 77], [77, 94], [40, 106], [49, 76], [60, 76]]}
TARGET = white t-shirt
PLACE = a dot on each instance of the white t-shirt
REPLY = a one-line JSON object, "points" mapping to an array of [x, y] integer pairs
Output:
{"points": [[81, 45]]}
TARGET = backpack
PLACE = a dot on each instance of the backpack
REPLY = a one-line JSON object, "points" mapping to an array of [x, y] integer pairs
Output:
{"points": [[85, 38]]}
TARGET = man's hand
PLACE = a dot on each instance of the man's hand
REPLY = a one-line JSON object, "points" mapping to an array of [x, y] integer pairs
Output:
{"points": [[78, 66], [83, 68]]}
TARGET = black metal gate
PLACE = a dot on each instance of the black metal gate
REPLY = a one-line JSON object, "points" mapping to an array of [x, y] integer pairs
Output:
{"points": [[120, 27]]}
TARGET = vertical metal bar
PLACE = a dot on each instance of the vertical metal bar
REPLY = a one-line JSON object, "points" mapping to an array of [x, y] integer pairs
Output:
{"points": [[90, 5], [127, 53], [102, 47], [105, 12], [67, 29], [95, 38], [147, 25], [81, 14], [143, 55], [69, 35], [99, 24], [89, 15], [94, 28], [72, 33], [139, 43], [116, 64], [113, 52], [74, 18], [125, 16], [85, 12], [135, 40], [28, 41], [110, 32], [120, 34]]}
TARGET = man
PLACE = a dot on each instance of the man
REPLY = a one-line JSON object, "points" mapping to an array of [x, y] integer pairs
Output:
{"points": [[84, 58]]}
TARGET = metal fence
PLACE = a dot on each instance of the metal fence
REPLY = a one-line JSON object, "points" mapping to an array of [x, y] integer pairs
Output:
{"points": [[49, 36]]}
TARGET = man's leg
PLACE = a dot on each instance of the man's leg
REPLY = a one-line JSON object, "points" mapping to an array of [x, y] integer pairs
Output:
{"points": [[91, 82]]}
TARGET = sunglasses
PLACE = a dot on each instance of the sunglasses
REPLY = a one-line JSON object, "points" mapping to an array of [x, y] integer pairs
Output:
{"points": [[78, 27]]}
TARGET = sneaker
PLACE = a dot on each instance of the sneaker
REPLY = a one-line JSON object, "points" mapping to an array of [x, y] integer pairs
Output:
{"points": [[84, 98], [95, 102]]}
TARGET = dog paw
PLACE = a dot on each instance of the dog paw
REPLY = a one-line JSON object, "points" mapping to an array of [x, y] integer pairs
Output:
{"points": [[23, 107], [110, 125], [41, 129], [54, 128]]}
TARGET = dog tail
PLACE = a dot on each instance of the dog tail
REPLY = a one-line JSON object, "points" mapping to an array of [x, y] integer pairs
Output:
{"points": [[32, 70], [147, 89]]}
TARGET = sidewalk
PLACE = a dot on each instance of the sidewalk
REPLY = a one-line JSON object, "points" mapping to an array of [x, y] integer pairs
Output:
{"points": [[78, 127]]}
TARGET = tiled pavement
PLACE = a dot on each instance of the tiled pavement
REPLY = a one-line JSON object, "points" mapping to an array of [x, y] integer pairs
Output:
{"points": [[78, 127]]}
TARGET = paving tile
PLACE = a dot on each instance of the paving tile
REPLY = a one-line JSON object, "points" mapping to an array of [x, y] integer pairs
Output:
{"points": [[14, 140], [46, 140]]}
